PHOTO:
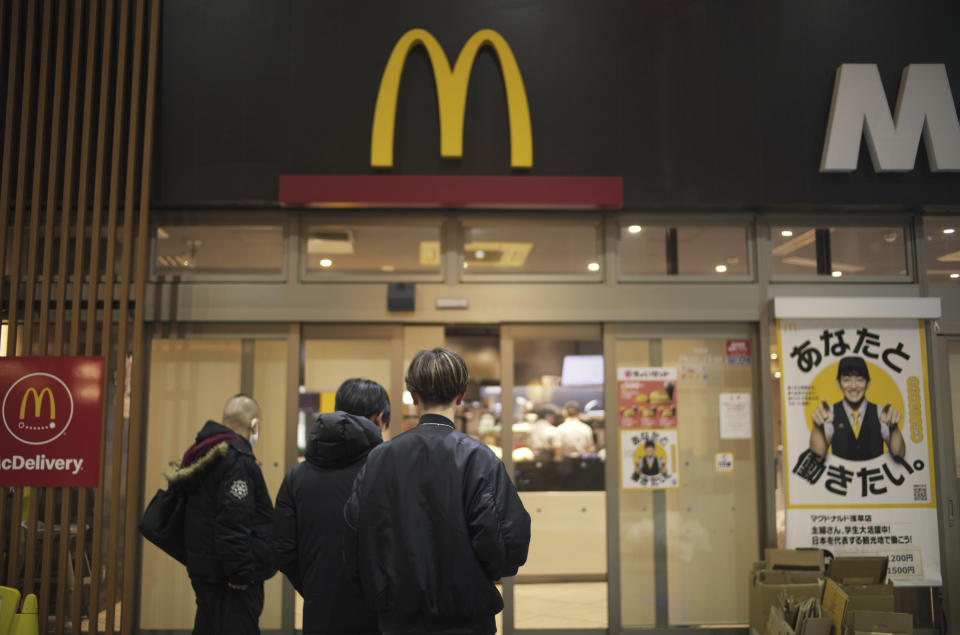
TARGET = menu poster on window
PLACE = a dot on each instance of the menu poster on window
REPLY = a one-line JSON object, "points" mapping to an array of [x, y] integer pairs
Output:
{"points": [[857, 447], [647, 397], [649, 459]]}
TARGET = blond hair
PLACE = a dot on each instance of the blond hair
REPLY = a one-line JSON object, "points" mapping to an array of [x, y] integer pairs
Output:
{"points": [[437, 376]]}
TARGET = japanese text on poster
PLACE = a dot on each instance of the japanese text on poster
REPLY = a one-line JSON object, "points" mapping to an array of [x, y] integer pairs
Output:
{"points": [[646, 397], [857, 441], [649, 459]]}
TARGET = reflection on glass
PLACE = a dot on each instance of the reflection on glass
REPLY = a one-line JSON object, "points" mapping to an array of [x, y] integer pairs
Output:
{"points": [[854, 251], [360, 248], [868, 251], [546, 247], [650, 250], [941, 248], [220, 249], [794, 250]]}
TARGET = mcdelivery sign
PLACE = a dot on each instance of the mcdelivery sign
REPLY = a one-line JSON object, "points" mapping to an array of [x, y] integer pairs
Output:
{"points": [[51, 411]]}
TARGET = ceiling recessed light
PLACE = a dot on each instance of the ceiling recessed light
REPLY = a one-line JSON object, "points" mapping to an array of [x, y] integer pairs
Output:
{"points": [[594, 266], [777, 374], [773, 355], [955, 275], [786, 233], [634, 229], [949, 230], [326, 262], [836, 274], [480, 254], [721, 268]]}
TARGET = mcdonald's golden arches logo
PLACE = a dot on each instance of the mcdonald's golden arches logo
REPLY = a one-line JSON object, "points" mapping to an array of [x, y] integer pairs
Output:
{"points": [[451, 96], [30, 408]]}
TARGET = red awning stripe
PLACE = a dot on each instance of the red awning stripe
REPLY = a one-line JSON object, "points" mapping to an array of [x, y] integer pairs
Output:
{"points": [[400, 190]]}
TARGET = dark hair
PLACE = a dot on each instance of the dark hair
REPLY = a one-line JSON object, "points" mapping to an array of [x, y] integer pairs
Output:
{"points": [[852, 366], [363, 397], [437, 376], [649, 444]]}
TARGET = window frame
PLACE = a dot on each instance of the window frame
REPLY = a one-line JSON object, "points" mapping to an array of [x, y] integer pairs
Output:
{"points": [[720, 219], [822, 220], [528, 220], [205, 218], [307, 219]]}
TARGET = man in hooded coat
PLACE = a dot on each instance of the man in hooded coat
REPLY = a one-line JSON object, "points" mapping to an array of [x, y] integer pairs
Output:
{"points": [[309, 516]]}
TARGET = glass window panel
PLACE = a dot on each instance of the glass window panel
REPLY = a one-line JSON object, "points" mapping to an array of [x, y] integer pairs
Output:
{"points": [[558, 464], [794, 250], [218, 249], [854, 251], [189, 382], [637, 576], [381, 248], [712, 514], [712, 251], [545, 247], [700, 250], [480, 412], [868, 251], [954, 356], [643, 250], [941, 248]]}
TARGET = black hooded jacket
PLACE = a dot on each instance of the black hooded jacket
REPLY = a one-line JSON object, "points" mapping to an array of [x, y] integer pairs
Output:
{"points": [[309, 524], [228, 526], [432, 523]]}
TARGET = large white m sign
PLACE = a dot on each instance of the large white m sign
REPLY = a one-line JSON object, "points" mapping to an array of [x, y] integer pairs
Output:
{"points": [[860, 109]]}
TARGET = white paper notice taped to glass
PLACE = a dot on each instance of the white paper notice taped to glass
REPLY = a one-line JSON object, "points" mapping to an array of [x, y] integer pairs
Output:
{"points": [[735, 415]]}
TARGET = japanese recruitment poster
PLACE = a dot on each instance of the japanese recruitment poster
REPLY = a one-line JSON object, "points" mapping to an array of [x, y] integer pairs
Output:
{"points": [[857, 448], [647, 416]]}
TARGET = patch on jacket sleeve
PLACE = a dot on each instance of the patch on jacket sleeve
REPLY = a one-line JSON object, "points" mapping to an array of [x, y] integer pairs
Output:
{"points": [[239, 489]]}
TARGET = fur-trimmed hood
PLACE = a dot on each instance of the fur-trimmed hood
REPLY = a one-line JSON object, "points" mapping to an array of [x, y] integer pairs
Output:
{"points": [[212, 443]]}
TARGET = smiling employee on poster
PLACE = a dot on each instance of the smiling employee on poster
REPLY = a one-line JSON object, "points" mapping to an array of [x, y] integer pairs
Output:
{"points": [[855, 428]]}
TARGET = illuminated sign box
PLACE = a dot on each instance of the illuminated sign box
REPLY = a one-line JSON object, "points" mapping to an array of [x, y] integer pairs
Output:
{"points": [[50, 421]]}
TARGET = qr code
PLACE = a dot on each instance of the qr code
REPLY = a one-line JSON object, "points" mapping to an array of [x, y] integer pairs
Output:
{"points": [[920, 493]]}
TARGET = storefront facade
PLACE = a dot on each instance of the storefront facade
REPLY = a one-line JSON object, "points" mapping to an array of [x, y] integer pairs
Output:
{"points": [[646, 182]]}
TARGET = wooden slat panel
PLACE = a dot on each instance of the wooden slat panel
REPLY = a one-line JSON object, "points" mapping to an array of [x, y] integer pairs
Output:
{"points": [[56, 150], [53, 171], [111, 429], [93, 293], [39, 138], [13, 563], [5, 176], [83, 180], [130, 179], [63, 557], [137, 387]]}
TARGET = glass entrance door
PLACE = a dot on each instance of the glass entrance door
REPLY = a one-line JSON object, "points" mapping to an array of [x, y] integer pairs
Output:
{"points": [[681, 429], [191, 378]]}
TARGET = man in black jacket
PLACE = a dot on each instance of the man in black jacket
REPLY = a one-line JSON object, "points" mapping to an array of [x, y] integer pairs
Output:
{"points": [[309, 517], [228, 524], [433, 520]]}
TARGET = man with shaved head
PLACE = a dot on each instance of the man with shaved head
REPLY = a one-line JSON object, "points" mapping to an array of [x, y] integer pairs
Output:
{"points": [[228, 528]]}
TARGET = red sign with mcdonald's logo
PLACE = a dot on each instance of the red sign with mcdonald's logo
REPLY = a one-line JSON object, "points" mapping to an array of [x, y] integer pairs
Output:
{"points": [[51, 410]]}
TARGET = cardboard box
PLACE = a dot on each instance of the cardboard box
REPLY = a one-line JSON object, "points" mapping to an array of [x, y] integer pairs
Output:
{"points": [[796, 572], [878, 623], [856, 584], [778, 625]]}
